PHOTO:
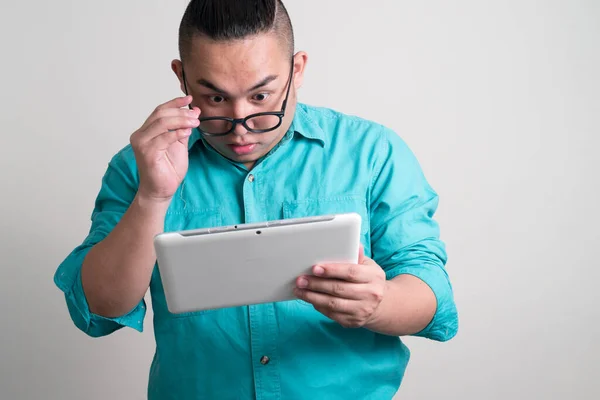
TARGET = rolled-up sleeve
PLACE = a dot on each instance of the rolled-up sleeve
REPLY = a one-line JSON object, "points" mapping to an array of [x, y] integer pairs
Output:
{"points": [[118, 189], [405, 239]]}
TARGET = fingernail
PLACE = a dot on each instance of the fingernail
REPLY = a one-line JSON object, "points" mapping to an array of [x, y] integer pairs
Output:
{"points": [[318, 270], [302, 283]]}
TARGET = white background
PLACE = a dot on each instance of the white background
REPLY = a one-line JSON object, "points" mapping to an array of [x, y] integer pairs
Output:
{"points": [[499, 100]]}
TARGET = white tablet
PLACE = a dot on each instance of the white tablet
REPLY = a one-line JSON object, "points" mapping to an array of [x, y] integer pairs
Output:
{"points": [[251, 263]]}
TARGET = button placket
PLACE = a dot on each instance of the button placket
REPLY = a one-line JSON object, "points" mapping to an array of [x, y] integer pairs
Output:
{"points": [[263, 324]]}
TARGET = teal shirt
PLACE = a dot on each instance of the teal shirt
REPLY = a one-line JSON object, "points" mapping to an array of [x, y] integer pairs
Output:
{"points": [[327, 163]]}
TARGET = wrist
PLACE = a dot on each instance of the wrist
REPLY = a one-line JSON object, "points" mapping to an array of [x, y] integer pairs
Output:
{"points": [[377, 319], [151, 205]]}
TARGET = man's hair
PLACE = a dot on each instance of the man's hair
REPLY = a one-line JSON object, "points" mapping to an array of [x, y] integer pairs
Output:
{"points": [[227, 20]]}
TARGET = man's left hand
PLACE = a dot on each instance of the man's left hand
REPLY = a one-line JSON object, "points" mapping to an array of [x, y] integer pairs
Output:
{"points": [[347, 293]]}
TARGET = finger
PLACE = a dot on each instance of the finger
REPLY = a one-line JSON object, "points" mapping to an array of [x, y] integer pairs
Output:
{"points": [[177, 102], [333, 287], [356, 273], [164, 141], [170, 113], [185, 136], [328, 304], [164, 125]]}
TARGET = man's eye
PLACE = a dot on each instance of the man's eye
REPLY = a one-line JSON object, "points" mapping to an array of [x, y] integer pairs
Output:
{"points": [[261, 96], [217, 99]]}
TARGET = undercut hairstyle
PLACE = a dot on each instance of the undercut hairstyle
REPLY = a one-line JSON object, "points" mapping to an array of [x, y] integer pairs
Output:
{"points": [[230, 20]]}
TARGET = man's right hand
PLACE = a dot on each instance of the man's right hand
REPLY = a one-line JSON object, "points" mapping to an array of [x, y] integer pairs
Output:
{"points": [[161, 148], [117, 271]]}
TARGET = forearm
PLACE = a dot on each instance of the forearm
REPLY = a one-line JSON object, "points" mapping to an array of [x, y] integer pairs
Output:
{"points": [[116, 272], [408, 306]]}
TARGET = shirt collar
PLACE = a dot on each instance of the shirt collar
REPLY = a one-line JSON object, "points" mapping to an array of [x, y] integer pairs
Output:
{"points": [[194, 137], [305, 126], [302, 124]]}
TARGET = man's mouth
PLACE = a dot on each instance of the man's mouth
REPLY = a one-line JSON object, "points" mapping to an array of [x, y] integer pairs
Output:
{"points": [[242, 149]]}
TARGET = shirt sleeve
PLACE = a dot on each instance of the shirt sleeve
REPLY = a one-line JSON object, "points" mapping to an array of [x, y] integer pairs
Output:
{"points": [[405, 239], [116, 194]]}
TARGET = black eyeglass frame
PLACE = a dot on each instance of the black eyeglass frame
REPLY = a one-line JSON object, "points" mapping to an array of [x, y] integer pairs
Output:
{"points": [[235, 121]]}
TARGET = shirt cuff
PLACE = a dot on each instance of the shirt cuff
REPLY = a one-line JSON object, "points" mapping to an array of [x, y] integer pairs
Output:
{"points": [[92, 324], [444, 324]]}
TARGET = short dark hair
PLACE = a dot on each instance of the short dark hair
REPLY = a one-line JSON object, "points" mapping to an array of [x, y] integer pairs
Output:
{"points": [[226, 20]]}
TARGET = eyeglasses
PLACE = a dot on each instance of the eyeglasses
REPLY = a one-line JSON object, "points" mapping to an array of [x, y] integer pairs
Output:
{"points": [[256, 123]]}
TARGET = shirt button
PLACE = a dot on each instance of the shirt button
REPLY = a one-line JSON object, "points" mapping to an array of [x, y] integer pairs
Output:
{"points": [[264, 360], [251, 178]]}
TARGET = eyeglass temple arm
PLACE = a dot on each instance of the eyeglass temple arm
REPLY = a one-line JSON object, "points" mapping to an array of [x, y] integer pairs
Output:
{"points": [[185, 89], [289, 87]]}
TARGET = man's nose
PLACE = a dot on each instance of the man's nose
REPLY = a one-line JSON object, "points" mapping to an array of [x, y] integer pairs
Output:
{"points": [[239, 113]]}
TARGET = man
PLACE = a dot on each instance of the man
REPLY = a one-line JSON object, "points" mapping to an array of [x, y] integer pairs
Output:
{"points": [[340, 339]]}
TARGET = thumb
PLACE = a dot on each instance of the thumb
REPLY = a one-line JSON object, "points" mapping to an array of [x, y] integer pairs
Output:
{"points": [[362, 259], [185, 140], [361, 254]]}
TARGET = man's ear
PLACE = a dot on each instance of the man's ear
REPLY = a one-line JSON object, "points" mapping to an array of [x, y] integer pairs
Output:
{"points": [[177, 68], [300, 60]]}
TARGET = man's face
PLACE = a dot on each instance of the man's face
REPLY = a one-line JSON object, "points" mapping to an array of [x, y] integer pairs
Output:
{"points": [[237, 79]]}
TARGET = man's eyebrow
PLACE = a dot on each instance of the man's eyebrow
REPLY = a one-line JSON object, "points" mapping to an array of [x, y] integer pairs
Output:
{"points": [[212, 86], [264, 82]]}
